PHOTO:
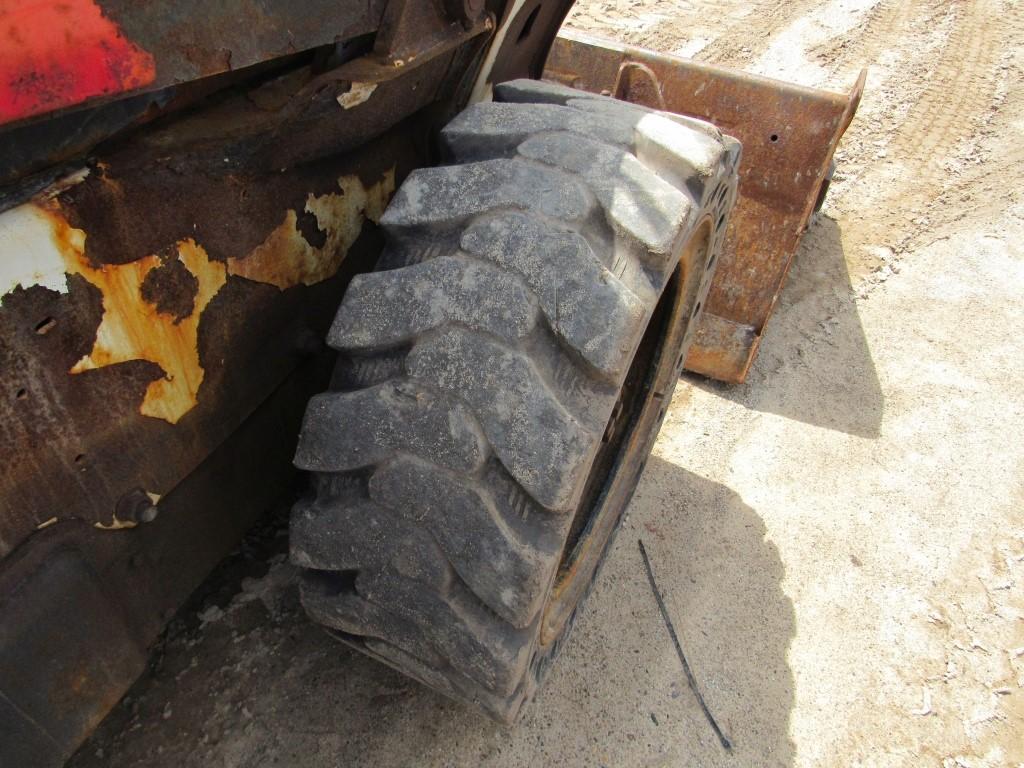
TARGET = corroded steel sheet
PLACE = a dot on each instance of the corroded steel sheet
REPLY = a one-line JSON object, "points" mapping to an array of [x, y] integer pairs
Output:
{"points": [[789, 134], [147, 306]]}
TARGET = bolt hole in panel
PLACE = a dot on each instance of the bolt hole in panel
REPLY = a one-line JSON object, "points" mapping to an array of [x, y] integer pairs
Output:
{"points": [[45, 326], [780, 179]]}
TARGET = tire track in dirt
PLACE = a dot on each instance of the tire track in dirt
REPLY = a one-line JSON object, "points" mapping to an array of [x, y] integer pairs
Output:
{"points": [[865, 43], [940, 136], [726, 32], [932, 89], [958, 93], [748, 38], [966, 172]]}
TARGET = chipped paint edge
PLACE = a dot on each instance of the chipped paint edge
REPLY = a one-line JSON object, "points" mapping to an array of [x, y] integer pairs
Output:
{"points": [[29, 253], [38, 247], [358, 93]]}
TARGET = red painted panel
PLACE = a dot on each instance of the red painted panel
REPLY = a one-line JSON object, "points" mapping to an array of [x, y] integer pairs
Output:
{"points": [[55, 53]]}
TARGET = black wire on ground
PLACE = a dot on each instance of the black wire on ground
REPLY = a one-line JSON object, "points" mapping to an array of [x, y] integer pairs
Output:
{"points": [[679, 650]]}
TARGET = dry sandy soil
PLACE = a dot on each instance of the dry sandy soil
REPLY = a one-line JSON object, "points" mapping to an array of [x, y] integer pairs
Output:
{"points": [[840, 540]]}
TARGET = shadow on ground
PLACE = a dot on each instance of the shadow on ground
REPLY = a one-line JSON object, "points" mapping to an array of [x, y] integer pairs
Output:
{"points": [[242, 678], [722, 583], [814, 348]]}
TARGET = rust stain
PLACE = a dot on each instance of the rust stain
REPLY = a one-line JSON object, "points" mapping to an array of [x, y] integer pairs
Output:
{"points": [[356, 94], [132, 328], [285, 259]]}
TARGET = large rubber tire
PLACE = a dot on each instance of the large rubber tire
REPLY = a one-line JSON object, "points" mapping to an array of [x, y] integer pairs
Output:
{"points": [[501, 380]]}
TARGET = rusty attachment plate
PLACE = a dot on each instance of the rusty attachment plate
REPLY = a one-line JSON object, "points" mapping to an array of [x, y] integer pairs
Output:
{"points": [[789, 134]]}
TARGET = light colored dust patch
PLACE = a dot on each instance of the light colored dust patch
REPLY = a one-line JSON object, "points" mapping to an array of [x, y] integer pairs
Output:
{"points": [[656, 25], [286, 259], [39, 247]]}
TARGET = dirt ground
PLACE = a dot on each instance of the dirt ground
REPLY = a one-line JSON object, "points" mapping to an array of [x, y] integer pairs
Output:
{"points": [[840, 541]]}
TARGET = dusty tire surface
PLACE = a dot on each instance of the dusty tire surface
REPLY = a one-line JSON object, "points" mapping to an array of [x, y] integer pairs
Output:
{"points": [[502, 376]]}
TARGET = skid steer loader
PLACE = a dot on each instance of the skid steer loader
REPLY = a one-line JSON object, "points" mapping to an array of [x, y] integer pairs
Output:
{"points": [[365, 240]]}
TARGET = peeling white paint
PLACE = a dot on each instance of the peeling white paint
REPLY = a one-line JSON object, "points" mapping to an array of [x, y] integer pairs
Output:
{"points": [[356, 95], [29, 253], [115, 524]]}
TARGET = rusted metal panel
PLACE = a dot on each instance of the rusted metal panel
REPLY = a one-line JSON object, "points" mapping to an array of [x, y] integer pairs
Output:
{"points": [[79, 606], [151, 300], [789, 134], [160, 327], [134, 337], [61, 54], [175, 282], [78, 685], [411, 30], [722, 346], [283, 111]]}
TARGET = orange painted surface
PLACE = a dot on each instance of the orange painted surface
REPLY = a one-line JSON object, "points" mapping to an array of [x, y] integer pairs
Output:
{"points": [[56, 53]]}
